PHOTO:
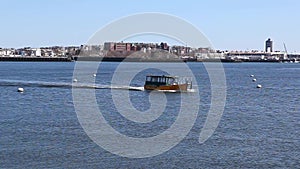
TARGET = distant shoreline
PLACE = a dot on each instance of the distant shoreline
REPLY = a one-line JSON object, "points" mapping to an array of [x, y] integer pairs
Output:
{"points": [[123, 59]]}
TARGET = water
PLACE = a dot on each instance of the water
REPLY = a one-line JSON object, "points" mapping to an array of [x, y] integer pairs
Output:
{"points": [[259, 127]]}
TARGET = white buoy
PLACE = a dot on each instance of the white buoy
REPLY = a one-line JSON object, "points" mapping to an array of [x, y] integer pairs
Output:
{"points": [[20, 89], [254, 80], [251, 75], [94, 75], [74, 80], [259, 86]]}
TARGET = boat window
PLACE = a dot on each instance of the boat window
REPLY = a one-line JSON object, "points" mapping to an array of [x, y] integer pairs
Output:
{"points": [[161, 79]]}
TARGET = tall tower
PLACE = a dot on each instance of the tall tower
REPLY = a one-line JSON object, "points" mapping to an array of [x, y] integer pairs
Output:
{"points": [[269, 45]]}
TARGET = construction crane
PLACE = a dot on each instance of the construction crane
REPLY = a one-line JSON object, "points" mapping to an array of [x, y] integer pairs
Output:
{"points": [[285, 52]]}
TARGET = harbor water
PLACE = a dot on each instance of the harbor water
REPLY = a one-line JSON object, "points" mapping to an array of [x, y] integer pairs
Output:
{"points": [[259, 128]]}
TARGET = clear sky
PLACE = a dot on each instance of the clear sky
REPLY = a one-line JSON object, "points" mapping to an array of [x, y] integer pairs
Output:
{"points": [[228, 24]]}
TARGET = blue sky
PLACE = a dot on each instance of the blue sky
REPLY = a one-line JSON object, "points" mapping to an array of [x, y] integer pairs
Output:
{"points": [[228, 24]]}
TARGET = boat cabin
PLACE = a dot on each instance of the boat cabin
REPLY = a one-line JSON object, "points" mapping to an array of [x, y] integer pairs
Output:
{"points": [[170, 83], [161, 80]]}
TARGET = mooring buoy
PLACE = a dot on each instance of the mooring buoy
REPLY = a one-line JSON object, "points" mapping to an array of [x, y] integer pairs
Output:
{"points": [[20, 89]]}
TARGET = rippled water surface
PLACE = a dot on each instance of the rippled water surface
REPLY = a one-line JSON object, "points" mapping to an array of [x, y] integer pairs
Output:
{"points": [[259, 127]]}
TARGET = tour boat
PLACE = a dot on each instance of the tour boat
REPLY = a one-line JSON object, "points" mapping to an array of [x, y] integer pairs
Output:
{"points": [[167, 83]]}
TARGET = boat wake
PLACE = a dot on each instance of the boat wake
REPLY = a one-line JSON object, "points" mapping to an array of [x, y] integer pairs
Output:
{"points": [[64, 85], [21, 83]]}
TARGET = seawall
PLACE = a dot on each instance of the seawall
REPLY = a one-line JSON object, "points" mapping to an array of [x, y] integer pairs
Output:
{"points": [[36, 59]]}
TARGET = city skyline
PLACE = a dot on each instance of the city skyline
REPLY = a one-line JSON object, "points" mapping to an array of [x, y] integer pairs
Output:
{"points": [[230, 25]]}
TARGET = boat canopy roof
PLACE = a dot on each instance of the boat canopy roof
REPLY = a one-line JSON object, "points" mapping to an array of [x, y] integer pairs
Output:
{"points": [[162, 76]]}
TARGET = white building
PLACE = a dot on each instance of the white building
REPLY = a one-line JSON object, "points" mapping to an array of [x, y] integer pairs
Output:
{"points": [[38, 52], [6, 52]]}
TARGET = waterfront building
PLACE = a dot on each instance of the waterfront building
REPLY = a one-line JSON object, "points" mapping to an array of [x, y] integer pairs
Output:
{"points": [[109, 46], [122, 47], [38, 52]]}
